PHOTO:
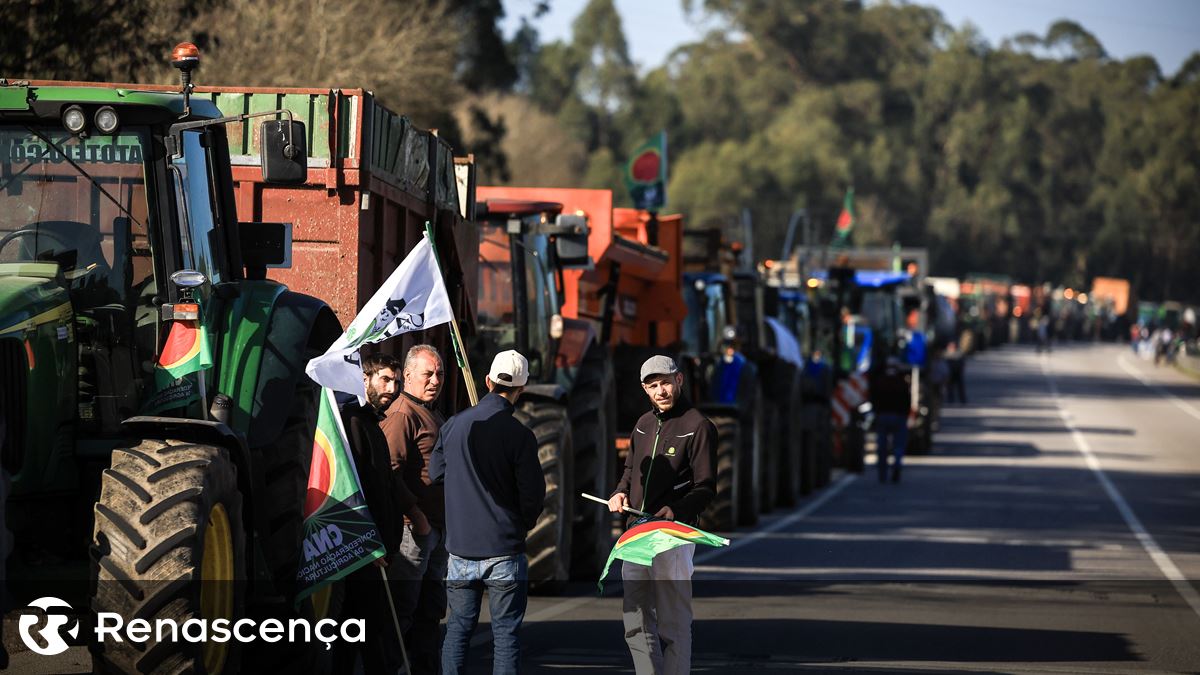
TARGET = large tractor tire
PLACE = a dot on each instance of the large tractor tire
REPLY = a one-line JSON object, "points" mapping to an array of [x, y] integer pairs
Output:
{"points": [[769, 469], [548, 544], [284, 465], [593, 410], [750, 458], [722, 514], [791, 439], [169, 543]]}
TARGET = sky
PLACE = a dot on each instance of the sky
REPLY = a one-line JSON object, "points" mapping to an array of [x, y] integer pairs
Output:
{"points": [[1169, 30]]}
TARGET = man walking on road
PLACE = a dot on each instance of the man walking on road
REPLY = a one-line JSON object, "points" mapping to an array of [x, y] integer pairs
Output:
{"points": [[670, 471], [891, 399], [494, 494], [365, 591], [418, 571]]}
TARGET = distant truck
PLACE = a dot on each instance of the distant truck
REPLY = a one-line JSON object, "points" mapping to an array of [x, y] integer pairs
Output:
{"points": [[1112, 291]]}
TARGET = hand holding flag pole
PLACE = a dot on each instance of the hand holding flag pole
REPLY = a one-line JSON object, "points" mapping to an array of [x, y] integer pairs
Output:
{"points": [[626, 509]]}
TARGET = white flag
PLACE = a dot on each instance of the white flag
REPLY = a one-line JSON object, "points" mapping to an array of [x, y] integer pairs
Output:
{"points": [[413, 298]]}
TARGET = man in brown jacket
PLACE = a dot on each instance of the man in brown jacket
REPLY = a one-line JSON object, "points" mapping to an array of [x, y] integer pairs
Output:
{"points": [[411, 427]]}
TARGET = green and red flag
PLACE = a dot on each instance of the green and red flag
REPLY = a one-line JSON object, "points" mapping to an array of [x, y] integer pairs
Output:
{"points": [[846, 221], [186, 349], [646, 174], [645, 540], [340, 535]]}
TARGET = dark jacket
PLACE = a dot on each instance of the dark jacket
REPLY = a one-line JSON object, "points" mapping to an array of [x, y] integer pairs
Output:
{"points": [[371, 459], [890, 389], [494, 483], [672, 461]]}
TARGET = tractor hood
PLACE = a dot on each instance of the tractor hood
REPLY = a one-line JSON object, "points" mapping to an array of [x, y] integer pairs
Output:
{"points": [[31, 294]]}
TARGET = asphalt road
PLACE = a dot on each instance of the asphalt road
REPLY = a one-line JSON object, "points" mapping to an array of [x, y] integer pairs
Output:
{"points": [[1055, 528]]}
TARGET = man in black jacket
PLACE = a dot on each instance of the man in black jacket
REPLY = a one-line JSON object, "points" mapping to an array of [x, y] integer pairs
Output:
{"points": [[494, 494], [365, 589], [670, 471]]}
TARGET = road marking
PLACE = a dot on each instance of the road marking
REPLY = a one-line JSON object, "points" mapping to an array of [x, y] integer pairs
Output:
{"points": [[779, 524], [1179, 403], [1156, 553]]}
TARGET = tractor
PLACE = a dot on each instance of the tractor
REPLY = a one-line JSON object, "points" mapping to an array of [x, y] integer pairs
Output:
{"points": [[181, 495]]}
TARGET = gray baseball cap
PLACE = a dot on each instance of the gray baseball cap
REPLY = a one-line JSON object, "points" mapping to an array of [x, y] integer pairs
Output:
{"points": [[659, 365]]}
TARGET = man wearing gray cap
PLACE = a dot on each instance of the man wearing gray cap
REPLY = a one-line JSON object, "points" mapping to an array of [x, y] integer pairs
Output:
{"points": [[670, 471]]}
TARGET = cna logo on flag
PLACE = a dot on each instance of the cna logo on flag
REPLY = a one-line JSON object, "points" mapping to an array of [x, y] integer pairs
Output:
{"points": [[340, 535]]}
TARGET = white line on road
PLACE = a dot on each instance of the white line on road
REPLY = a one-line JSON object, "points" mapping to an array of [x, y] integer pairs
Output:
{"points": [[1156, 553], [779, 524], [1179, 403]]}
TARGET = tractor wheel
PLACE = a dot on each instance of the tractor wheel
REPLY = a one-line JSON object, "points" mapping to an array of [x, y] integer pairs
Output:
{"points": [[722, 514], [593, 409], [791, 449], [284, 467], [770, 467], [749, 460], [169, 543], [548, 544]]}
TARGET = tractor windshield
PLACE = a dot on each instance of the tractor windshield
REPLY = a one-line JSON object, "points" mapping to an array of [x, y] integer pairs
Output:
{"points": [[706, 314], [79, 204]]}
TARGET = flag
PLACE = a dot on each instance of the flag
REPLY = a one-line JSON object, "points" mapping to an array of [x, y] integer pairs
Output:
{"points": [[340, 535], [413, 298], [845, 221], [646, 174], [648, 538], [186, 349]]}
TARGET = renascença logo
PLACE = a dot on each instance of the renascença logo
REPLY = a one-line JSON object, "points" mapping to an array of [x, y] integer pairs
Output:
{"points": [[112, 626], [50, 634]]}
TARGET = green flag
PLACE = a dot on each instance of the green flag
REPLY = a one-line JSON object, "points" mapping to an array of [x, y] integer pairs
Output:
{"points": [[645, 540], [845, 222], [646, 174], [339, 534]]}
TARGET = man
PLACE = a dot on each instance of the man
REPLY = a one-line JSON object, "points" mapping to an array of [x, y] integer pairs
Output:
{"points": [[890, 390], [364, 588], [670, 471], [494, 495], [411, 428]]}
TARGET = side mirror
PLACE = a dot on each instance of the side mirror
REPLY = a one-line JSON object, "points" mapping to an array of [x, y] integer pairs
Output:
{"points": [[571, 241], [284, 152]]}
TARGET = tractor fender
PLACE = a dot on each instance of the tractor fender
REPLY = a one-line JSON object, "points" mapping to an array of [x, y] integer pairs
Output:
{"points": [[550, 392], [300, 327]]}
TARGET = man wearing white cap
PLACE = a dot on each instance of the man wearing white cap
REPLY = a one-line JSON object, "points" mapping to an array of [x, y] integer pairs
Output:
{"points": [[670, 471], [494, 495]]}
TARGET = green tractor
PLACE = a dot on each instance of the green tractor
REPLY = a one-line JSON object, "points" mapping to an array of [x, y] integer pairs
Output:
{"points": [[182, 496]]}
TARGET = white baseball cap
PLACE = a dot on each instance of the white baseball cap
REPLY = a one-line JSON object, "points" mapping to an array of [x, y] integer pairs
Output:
{"points": [[510, 369]]}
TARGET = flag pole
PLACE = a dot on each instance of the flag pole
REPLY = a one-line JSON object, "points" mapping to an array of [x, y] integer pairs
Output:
{"points": [[455, 335], [395, 621]]}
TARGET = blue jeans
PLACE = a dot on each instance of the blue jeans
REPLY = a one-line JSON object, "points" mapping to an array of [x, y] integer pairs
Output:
{"points": [[893, 427], [507, 582]]}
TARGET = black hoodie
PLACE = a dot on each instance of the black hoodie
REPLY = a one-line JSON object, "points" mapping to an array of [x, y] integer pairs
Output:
{"points": [[672, 461]]}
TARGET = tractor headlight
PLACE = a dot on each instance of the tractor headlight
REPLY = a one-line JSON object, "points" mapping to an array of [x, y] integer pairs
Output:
{"points": [[74, 119], [107, 120]]}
